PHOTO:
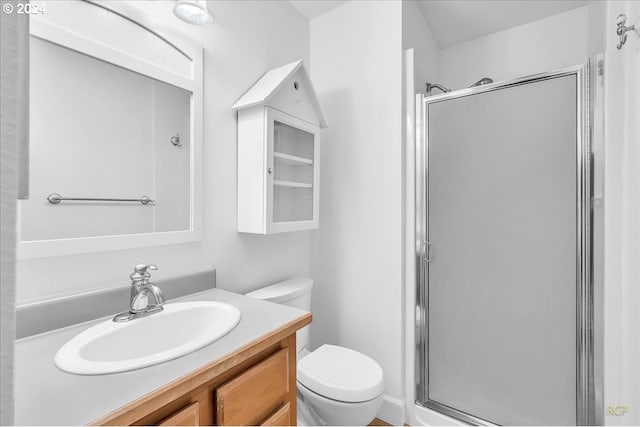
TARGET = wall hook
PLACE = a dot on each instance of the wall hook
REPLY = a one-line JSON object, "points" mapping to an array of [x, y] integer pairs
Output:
{"points": [[175, 140], [621, 30]]}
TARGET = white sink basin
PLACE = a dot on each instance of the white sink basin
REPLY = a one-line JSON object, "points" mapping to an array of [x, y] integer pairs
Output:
{"points": [[179, 329]]}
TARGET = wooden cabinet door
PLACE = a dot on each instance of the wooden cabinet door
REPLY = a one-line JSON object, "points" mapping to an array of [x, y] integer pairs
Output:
{"points": [[189, 416], [280, 418], [255, 394]]}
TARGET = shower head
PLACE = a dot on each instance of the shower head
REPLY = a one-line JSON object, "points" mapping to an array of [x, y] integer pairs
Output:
{"points": [[431, 86], [482, 81]]}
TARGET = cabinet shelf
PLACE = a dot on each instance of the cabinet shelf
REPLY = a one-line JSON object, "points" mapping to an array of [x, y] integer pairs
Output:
{"points": [[288, 158], [291, 184]]}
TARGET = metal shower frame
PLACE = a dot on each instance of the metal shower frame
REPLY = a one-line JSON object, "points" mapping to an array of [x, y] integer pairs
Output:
{"points": [[589, 408]]}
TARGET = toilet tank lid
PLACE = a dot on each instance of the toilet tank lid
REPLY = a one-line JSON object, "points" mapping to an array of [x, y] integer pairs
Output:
{"points": [[284, 291]]}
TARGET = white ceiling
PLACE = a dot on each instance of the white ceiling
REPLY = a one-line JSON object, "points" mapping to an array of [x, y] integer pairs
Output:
{"points": [[312, 8], [453, 22]]}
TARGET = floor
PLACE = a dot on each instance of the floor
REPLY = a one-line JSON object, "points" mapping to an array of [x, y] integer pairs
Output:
{"points": [[378, 422]]}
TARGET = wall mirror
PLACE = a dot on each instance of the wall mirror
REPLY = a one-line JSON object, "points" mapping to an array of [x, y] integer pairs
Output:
{"points": [[115, 132]]}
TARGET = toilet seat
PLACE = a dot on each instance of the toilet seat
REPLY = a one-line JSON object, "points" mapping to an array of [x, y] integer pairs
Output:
{"points": [[341, 374]]}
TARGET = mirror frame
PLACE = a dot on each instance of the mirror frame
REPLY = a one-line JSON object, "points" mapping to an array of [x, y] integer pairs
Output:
{"points": [[64, 37]]}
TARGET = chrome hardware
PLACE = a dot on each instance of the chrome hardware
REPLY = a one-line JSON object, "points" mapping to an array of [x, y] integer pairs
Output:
{"points": [[621, 29], [600, 66], [141, 289], [430, 86], [482, 81], [427, 252], [270, 170], [141, 275], [55, 198], [175, 140]]}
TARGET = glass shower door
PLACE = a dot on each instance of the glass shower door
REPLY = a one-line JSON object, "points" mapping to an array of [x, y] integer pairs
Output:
{"points": [[503, 271]]}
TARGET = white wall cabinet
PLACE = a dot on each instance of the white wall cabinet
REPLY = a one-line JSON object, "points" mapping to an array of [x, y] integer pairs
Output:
{"points": [[278, 172], [279, 123]]}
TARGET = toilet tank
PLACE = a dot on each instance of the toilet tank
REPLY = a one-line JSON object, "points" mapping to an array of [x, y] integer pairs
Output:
{"points": [[295, 293]]}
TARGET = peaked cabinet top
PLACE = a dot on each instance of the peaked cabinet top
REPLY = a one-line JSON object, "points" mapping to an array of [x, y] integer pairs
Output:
{"points": [[289, 89]]}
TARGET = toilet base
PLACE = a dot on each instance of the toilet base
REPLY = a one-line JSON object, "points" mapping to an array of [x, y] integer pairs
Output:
{"points": [[316, 410]]}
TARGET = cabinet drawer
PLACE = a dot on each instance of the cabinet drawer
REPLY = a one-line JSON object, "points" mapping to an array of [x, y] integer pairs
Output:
{"points": [[189, 416], [282, 417], [255, 394]]}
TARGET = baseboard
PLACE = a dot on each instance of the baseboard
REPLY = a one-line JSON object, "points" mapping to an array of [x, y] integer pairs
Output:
{"points": [[427, 417], [392, 411]]}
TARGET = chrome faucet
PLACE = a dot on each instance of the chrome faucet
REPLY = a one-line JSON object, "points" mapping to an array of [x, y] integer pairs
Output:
{"points": [[141, 289]]}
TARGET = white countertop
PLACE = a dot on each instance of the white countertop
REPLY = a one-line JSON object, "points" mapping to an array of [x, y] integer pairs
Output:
{"points": [[45, 395]]}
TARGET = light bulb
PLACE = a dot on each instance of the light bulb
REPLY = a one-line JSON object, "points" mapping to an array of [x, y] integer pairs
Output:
{"points": [[193, 11]]}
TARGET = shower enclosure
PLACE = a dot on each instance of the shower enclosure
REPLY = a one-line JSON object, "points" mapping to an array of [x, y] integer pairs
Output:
{"points": [[504, 304]]}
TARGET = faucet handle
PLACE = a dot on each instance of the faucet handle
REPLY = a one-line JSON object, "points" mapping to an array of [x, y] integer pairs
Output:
{"points": [[141, 272], [142, 268]]}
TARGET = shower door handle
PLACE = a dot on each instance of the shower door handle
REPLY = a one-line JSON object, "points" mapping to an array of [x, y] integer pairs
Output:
{"points": [[427, 252]]}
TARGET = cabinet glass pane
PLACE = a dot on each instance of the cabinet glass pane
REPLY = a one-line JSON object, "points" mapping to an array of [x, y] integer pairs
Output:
{"points": [[292, 141], [293, 165], [292, 204]]}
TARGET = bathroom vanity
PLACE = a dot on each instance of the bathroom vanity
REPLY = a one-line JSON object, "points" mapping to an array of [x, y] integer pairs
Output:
{"points": [[248, 377]]}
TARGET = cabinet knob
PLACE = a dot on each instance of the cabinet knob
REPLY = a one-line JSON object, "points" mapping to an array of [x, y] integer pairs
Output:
{"points": [[270, 170]]}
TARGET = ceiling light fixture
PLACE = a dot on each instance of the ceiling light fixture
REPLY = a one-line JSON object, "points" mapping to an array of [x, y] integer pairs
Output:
{"points": [[193, 11]]}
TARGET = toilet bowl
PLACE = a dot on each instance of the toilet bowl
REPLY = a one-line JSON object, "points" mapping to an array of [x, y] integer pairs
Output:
{"points": [[340, 386], [314, 410], [336, 385]]}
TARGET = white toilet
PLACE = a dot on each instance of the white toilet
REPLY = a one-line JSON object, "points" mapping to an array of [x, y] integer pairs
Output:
{"points": [[336, 385]]}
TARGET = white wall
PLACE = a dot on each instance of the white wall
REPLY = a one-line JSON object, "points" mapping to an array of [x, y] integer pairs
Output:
{"points": [[597, 26], [547, 44], [622, 220], [356, 68], [417, 35], [244, 40]]}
